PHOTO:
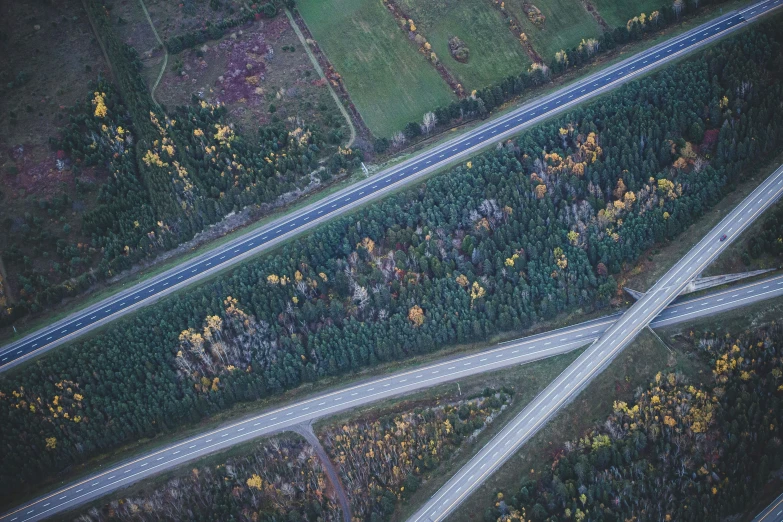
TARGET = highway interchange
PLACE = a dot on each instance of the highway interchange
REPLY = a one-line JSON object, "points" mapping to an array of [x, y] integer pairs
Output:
{"points": [[611, 335], [507, 354], [373, 187], [590, 363]]}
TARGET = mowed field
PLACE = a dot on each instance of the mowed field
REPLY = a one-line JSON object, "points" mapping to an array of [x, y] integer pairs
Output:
{"points": [[388, 80], [618, 12], [567, 22], [494, 52]]}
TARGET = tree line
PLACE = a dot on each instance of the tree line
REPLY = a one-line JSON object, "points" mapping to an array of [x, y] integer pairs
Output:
{"points": [[515, 235]]}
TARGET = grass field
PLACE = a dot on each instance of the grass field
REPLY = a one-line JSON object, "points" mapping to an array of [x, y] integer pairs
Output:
{"points": [[618, 12], [389, 81], [494, 52], [567, 22]]}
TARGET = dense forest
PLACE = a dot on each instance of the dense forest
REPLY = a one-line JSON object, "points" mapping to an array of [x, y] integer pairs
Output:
{"points": [[280, 479], [517, 234], [679, 452], [382, 460], [169, 176]]}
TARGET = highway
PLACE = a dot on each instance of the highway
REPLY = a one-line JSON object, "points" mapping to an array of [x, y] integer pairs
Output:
{"points": [[590, 363], [507, 354], [772, 513], [374, 187]]}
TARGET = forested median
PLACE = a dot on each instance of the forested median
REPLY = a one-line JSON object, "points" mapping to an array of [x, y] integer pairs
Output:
{"points": [[533, 228]]}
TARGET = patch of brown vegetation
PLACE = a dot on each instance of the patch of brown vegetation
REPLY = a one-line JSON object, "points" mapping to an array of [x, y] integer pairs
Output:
{"points": [[414, 35], [516, 29], [596, 15]]}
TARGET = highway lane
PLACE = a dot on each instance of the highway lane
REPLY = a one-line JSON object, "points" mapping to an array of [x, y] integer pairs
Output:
{"points": [[590, 363], [373, 187], [772, 513], [519, 351]]}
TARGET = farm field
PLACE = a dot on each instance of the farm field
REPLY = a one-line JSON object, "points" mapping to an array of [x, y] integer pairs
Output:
{"points": [[567, 22], [618, 12], [494, 52], [389, 81]]}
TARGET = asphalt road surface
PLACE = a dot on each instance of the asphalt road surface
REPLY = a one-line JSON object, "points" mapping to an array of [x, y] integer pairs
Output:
{"points": [[590, 363], [373, 188], [772, 513], [507, 354]]}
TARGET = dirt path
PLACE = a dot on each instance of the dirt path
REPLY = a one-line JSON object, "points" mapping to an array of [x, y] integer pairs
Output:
{"points": [[596, 15], [100, 41], [306, 431], [516, 29], [320, 72], [165, 53]]}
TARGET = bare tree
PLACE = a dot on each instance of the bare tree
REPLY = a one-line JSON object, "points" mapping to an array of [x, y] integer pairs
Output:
{"points": [[398, 140], [428, 122]]}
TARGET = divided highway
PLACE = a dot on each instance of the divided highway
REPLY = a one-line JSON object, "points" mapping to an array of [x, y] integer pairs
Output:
{"points": [[590, 363], [507, 354], [374, 187]]}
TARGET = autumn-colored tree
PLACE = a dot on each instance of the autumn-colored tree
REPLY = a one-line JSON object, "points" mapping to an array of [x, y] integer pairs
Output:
{"points": [[416, 315], [620, 189]]}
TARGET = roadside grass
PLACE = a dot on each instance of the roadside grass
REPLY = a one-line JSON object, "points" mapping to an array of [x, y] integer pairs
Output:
{"points": [[494, 52], [567, 22], [618, 12], [389, 81], [635, 366], [730, 260], [652, 265]]}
